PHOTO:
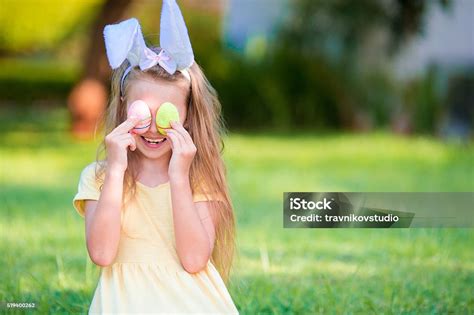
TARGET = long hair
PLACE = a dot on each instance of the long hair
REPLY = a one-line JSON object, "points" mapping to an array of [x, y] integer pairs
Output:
{"points": [[206, 127]]}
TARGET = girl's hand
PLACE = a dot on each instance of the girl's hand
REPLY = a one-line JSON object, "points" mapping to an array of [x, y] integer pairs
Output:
{"points": [[183, 151], [117, 142]]}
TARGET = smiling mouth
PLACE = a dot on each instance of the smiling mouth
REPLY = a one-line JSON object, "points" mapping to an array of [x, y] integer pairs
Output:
{"points": [[153, 141]]}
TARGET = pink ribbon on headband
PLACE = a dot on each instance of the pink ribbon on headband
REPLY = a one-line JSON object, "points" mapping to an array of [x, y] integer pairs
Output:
{"points": [[163, 59]]}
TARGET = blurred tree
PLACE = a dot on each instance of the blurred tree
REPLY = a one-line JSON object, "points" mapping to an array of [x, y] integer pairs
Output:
{"points": [[88, 98], [324, 69], [407, 18], [457, 121], [422, 102], [325, 42]]}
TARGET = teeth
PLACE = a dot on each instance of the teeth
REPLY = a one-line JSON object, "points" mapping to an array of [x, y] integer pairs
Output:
{"points": [[154, 140]]}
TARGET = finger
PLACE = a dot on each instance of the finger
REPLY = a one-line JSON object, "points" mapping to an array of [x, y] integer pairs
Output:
{"points": [[124, 137], [175, 144], [171, 141], [179, 136], [183, 132], [133, 144], [127, 125], [128, 140]]}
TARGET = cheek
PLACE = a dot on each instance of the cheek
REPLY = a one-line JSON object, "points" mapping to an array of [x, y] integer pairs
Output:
{"points": [[182, 114], [138, 140]]}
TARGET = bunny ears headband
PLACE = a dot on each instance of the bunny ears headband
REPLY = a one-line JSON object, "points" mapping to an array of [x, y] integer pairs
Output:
{"points": [[125, 41]]}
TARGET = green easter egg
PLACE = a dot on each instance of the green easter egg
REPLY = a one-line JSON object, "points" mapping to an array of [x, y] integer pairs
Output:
{"points": [[165, 115]]}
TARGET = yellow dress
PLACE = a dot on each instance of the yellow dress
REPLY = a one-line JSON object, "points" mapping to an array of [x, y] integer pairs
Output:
{"points": [[147, 276]]}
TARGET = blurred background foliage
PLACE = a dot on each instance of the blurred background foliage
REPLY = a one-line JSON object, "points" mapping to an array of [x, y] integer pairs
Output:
{"points": [[36, 26], [325, 65]]}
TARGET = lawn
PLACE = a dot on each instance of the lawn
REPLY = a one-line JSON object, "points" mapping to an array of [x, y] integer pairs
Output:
{"points": [[282, 271]]}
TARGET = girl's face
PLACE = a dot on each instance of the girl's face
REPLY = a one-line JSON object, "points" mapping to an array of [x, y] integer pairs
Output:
{"points": [[155, 93]]}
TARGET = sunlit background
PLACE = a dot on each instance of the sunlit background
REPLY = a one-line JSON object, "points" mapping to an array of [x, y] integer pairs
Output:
{"points": [[318, 95]]}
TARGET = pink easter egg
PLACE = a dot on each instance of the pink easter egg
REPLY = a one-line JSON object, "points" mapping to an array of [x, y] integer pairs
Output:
{"points": [[140, 109]]}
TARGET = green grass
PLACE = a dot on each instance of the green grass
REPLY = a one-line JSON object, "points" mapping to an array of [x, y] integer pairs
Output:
{"points": [[44, 260]]}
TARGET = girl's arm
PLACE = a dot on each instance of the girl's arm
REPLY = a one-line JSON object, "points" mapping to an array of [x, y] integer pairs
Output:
{"points": [[193, 225], [103, 220], [103, 217]]}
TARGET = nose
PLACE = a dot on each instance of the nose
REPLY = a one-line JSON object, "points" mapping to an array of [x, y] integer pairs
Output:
{"points": [[153, 128]]}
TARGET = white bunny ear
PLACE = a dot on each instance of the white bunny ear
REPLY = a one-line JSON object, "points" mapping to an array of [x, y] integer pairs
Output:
{"points": [[174, 38], [124, 41]]}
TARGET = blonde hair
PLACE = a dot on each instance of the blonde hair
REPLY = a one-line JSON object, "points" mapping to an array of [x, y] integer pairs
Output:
{"points": [[205, 125]]}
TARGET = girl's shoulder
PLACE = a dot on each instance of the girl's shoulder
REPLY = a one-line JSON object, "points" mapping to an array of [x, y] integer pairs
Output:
{"points": [[94, 170], [89, 187]]}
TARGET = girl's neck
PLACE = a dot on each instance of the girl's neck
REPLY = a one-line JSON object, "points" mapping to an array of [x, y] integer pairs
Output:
{"points": [[154, 171]]}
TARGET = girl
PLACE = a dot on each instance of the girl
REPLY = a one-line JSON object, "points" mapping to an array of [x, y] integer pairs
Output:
{"points": [[158, 217]]}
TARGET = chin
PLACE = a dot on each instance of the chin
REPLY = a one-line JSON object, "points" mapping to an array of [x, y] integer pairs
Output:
{"points": [[153, 155]]}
